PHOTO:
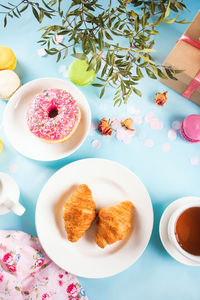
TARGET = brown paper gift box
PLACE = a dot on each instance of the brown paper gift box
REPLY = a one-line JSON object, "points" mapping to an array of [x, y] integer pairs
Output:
{"points": [[185, 57]]}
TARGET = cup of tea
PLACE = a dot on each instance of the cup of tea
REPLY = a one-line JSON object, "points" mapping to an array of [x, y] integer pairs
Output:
{"points": [[184, 230]]}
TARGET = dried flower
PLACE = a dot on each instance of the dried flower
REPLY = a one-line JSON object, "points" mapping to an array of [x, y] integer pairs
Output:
{"points": [[104, 127], [128, 124], [161, 98]]}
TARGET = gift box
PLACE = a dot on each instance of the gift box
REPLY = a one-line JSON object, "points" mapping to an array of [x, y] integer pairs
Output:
{"points": [[186, 56]]}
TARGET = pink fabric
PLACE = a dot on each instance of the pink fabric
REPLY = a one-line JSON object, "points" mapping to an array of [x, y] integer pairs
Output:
{"points": [[27, 273], [195, 83]]}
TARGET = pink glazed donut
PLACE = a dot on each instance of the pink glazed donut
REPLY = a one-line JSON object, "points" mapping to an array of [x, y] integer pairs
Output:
{"points": [[53, 115]]}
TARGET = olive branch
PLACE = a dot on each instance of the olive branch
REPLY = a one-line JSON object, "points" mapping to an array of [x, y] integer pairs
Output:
{"points": [[116, 40]]}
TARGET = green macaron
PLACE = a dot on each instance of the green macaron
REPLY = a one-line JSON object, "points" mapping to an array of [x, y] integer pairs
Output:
{"points": [[78, 73]]}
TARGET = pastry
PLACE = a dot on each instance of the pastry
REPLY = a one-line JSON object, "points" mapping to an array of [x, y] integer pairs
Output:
{"points": [[114, 223], [53, 115], [9, 83], [79, 212], [8, 60], [190, 128]]}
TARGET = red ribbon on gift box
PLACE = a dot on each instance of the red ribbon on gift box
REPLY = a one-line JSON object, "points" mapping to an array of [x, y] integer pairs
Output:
{"points": [[195, 83]]}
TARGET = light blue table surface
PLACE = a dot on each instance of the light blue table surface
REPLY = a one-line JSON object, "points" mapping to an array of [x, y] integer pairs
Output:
{"points": [[166, 175]]}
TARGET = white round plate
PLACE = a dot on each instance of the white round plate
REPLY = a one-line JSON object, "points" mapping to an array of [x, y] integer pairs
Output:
{"points": [[18, 133], [110, 183], [169, 247]]}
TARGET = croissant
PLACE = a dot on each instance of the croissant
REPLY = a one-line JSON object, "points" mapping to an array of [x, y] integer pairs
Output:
{"points": [[79, 212], [114, 223]]}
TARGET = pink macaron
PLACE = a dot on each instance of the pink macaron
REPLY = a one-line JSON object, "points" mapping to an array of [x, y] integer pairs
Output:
{"points": [[190, 128]]}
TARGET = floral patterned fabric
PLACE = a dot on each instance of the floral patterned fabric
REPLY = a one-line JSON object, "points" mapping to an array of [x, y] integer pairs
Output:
{"points": [[27, 273]]}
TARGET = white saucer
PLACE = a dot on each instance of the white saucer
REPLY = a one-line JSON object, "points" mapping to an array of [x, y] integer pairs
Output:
{"points": [[163, 229], [11, 189], [18, 133], [110, 184]]}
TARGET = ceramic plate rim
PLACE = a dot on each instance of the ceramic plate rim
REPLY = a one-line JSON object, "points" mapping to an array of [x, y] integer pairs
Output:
{"points": [[151, 217], [12, 102]]}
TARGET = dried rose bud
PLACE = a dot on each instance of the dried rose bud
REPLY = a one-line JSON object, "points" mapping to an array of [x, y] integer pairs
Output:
{"points": [[128, 123], [161, 98], [104, 127]]}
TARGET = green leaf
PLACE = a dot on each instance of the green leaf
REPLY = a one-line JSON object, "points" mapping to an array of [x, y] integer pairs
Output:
{"points": [[167, 11], [145, 50], [102, 92], [58, 57], [139, 72], [137, 92], [97, 84], [35, 14], [108, 36], [161, 74], [169, 73], [5, 21], [24, 8], [150, 73], [81, 56]]}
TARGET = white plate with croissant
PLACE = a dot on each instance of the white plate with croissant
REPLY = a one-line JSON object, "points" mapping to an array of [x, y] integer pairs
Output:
{"points": [[94, 218]]}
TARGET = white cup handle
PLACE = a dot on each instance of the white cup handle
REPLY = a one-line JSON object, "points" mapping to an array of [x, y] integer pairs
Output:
{"points": [[16, 208]]}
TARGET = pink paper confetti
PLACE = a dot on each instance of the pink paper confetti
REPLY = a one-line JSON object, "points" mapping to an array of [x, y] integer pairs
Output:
{"points": [[149, 143], [116, 124], [154, 123], [96, 144], [131, 109], [149, 116], [122, 134], [172, 134], [176, 125], [161, 125], [194, 160], [138, 120], [62, 68], [41, 52], [166, 147], [141, 135], [94, 125], [58, 39], [103, 106], [65, 74], [13, 168]]}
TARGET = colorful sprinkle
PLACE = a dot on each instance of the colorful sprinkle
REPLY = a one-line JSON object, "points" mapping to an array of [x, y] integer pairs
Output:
{"points": [[172, 134], [194, 160]]}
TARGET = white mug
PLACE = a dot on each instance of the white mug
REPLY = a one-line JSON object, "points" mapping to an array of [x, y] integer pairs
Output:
{"points": [[171, 230], [9, 195]]}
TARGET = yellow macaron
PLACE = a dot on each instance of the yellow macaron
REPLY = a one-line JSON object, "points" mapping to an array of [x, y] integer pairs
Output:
{"points": [[8, 60]]}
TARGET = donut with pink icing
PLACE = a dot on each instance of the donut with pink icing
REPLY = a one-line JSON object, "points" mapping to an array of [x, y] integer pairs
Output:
{"points": [[53, 115]]}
